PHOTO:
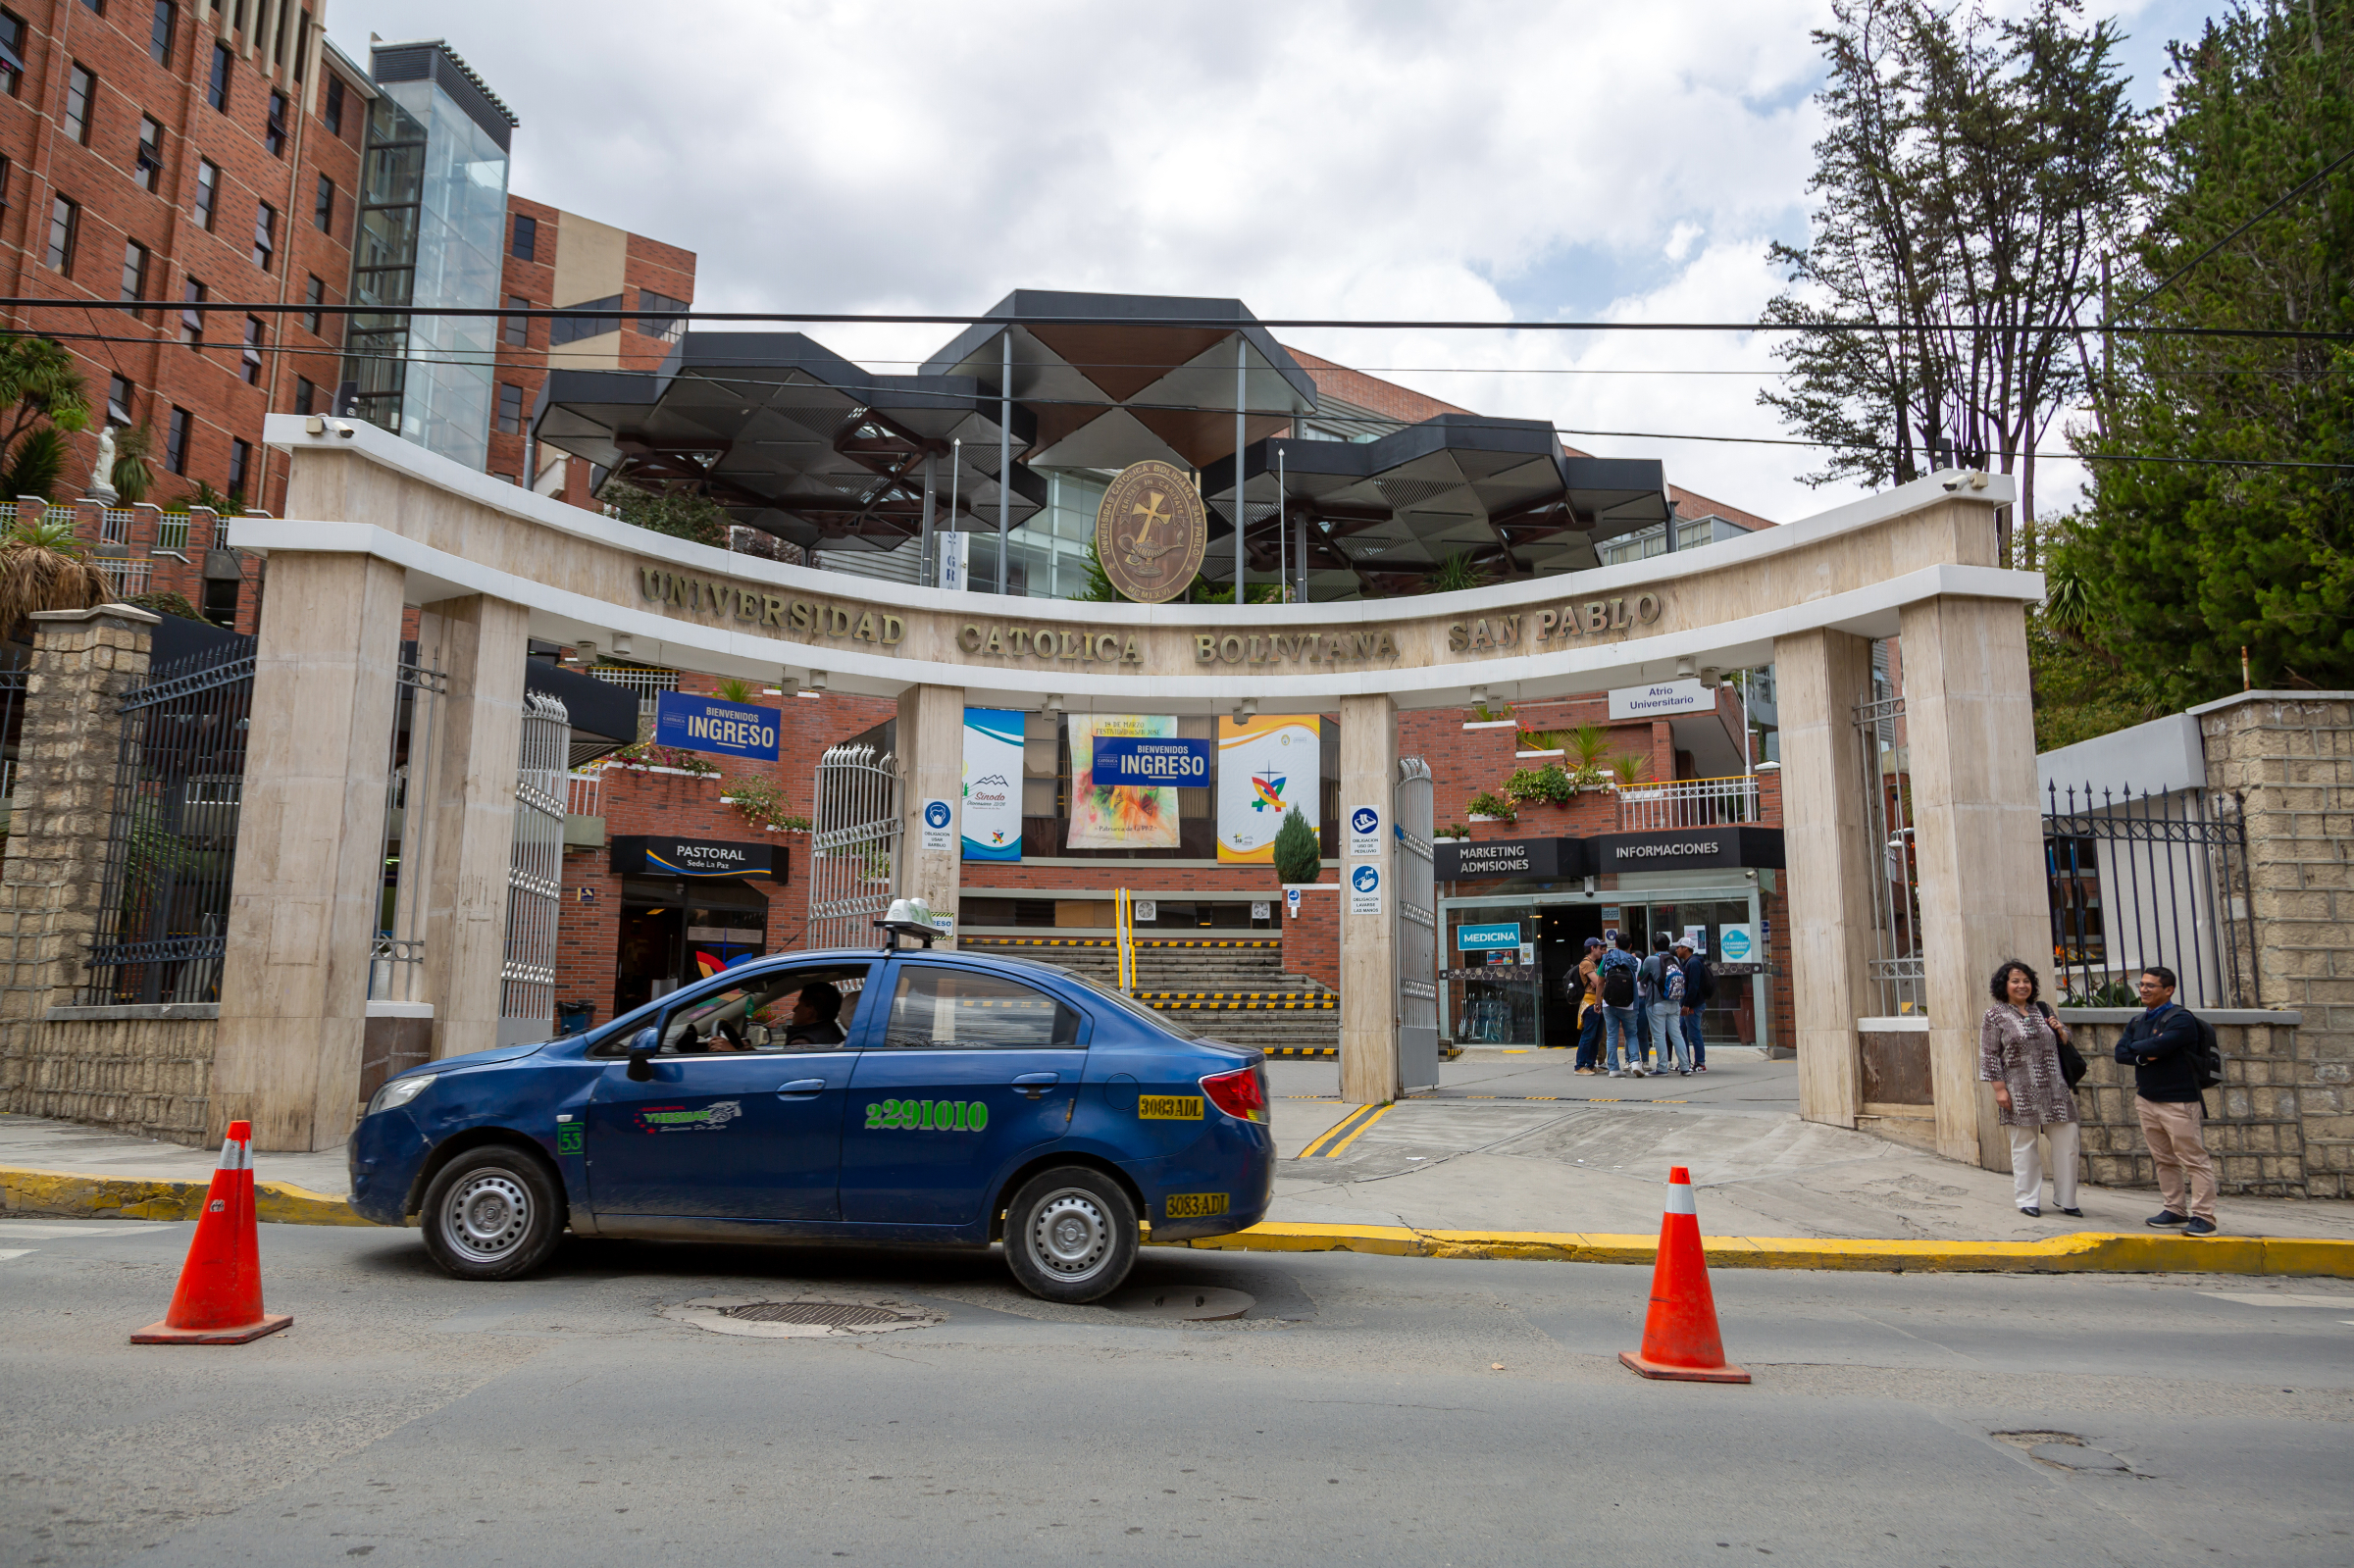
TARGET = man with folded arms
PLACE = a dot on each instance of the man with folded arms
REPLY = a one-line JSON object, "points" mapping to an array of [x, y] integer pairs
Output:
{"points": [[2162, 1048]]}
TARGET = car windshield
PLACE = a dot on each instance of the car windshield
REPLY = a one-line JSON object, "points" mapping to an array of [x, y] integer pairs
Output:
{"points": [[1129, 1005]]}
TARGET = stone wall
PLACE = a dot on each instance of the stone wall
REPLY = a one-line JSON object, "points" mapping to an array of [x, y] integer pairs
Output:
{"points": [[2256, 1125], [2289, 758], [141, 1070]]}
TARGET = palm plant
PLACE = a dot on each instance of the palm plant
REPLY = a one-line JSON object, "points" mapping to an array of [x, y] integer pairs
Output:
{"points": [[1456, 574], [732, 690], [43, 567], [1591, 742], [1626, 769], [37, 464], [132, 476]]}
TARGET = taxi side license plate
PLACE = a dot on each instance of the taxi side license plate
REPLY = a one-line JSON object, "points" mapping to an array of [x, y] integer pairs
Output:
{"points": [[1168, 1108], [1194, 1205]]}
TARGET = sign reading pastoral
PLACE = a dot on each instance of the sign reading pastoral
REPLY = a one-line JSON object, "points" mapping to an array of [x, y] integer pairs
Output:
{"points": [[1266, 766], [658, 855], [992, 783], [1137, 760], [694, 723], [1152, 531]]}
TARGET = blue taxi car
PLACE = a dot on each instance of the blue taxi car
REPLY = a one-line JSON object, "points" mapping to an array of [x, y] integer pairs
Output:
{"points": [[896, 1096]]}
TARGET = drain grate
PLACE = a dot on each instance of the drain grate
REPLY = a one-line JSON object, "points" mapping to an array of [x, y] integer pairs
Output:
{"points": [[816, 1314]]}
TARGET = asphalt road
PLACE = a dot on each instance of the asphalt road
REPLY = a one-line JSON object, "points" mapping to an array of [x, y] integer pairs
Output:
{"points": [[1356, 1414]]}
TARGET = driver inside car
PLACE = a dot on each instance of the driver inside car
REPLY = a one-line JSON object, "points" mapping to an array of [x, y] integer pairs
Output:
{"points": [[814, 1017]]}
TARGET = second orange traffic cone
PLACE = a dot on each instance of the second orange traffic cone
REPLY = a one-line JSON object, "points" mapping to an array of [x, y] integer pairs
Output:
{"points": [[1679, 1338], [220, 1296]]}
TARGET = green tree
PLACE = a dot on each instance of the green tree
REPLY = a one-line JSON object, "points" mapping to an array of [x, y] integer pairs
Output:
{"points": [[681, 514], [132, 476], [2183, 565], [1099, 586], [1298, 858], [1971, 175]]}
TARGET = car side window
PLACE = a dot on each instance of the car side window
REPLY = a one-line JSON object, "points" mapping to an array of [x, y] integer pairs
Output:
{"points": [[938, 1007], [773, 1012]]}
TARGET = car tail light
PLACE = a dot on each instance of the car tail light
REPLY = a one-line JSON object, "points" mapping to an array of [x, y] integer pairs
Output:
{"points": [[1240, 1093]]}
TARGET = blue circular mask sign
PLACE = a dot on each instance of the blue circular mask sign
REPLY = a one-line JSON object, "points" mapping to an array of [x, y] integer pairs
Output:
{"points": [[936, 814], [1364, 878], [1365, 820], [1734, 945]]}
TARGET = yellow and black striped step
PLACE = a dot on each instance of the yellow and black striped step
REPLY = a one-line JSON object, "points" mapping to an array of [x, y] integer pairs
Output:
{"points": [[1110, 941], [1302, 1050], [1294, 995], [1328, 1006]]}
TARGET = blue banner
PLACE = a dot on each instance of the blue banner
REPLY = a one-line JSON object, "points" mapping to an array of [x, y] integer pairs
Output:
{"points": [[1137, 760], [1474, 938], [707, 724]]}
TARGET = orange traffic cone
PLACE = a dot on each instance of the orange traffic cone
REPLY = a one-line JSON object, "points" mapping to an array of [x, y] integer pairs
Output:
{"points": [[220, 1296], [1680, 1339]]}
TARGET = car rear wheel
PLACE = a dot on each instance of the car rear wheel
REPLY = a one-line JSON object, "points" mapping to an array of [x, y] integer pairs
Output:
{"points": [[492, 1213], [1070, 1234]]}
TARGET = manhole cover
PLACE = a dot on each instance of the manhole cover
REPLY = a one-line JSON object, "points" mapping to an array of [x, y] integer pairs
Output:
{"points": [[801, 1318], [1192, 1303]]}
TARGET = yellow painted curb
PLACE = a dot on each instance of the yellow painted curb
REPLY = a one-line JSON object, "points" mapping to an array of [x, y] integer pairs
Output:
{"points": [[2086, 1252], [65, 1195]]}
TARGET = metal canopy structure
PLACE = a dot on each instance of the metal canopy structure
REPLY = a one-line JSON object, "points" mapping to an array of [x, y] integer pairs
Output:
{"points": [[796, 440]]}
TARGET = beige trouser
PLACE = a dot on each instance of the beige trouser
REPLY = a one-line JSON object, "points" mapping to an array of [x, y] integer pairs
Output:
{"points": [[2027, 1164], [2172, 1129]]}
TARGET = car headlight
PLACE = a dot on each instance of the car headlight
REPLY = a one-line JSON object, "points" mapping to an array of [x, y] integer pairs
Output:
{"points": [[400, 1091]]}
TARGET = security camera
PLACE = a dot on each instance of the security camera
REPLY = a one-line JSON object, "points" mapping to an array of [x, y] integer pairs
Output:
{"points": [[345, 428]]}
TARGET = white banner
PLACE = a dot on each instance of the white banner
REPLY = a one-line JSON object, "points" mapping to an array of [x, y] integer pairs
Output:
{"points": [[1660, 700], [1267, 765], [993, 785]]}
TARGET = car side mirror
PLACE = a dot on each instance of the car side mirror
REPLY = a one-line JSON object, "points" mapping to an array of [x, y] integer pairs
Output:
{"points": [[642, 1047]]}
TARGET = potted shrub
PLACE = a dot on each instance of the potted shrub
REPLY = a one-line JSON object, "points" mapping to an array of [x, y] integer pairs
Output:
{"points": [[1299, 858], [1589, 744], [1454, 831], [1489, 806]]}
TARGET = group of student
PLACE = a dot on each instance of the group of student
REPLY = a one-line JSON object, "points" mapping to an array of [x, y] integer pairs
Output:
{"points": [[1641, 1016]]}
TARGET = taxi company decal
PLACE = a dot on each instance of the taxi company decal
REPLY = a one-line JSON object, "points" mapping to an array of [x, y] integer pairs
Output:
{"points": [[1168, 1108], [677, 1119], [1194, 1205], [929, 1116], [568, 1137]]}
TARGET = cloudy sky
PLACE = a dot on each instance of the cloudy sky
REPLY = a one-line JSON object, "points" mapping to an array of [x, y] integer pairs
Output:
{"points": [[1475, 159]]}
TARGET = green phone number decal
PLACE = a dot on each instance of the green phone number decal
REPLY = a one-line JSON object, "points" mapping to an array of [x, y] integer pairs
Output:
{"points": [[930, 1116]]}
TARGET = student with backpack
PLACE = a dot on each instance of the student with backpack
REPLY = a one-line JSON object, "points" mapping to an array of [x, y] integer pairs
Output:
{"points": [[1663, 979], [2174, 1059], [1618, 972], [1698, 986]]}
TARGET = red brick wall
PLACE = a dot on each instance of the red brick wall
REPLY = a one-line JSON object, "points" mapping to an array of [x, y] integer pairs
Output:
{"points": [[1312, 944]]}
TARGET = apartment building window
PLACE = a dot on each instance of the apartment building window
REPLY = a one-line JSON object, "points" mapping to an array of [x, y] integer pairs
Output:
{"points": [[240, 467], [314, 295], [663, 317], [216, 88], [158, 34], [323, 206], [135, 272], [253, 351], [333, 114], [265, 235], [94, 7], [82, 90], [151, 153], [7, 169], [117, 399], [274, 134], [306, 395], [11, 51], [510, 409], [208, 191], [175, 441], [527, 239], [192, 314], [564, 330], [65, 227], [516, 330]]}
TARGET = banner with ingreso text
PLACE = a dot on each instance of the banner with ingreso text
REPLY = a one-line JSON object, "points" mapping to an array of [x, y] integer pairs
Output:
{"points": [[1121, 816]]}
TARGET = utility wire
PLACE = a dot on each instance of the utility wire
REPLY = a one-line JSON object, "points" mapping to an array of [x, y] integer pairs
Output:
{"points": [[2173, 276]]}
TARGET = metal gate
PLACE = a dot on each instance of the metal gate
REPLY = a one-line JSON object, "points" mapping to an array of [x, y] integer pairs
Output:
{"points": [[1896, 973], [853, 854], [1415, 927], [527, 994]]}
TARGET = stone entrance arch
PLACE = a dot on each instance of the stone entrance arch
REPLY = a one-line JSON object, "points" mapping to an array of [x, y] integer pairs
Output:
{"points": [[376, 524]]}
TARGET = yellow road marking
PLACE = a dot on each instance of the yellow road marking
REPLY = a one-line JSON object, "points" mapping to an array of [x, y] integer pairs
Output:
{"points": [[1357, 1132], [1322, 1141]]}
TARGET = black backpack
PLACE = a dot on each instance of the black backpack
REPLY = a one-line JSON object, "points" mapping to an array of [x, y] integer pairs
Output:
{"points": [[1699, 984], [1618, 985], [2207, 1056]]}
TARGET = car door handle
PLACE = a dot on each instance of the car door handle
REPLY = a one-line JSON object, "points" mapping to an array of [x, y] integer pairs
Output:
{"points": [[801, 1088], [1036, 1085]]}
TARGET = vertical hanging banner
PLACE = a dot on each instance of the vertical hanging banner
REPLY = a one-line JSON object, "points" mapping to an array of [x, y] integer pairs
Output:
{"points": [[1122, 816], [992, 783], [1266, 766]]}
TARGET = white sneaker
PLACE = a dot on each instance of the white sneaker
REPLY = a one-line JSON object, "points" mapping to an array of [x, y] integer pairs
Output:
{"points": [[1636, 1072], [1617, 1073]]}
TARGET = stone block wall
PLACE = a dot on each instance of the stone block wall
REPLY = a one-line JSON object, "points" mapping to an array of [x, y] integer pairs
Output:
{"points": [[146, 1071], [2289, 759], [2256, 1123]]}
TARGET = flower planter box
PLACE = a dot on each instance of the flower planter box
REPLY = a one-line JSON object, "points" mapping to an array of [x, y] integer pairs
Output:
{"points": [[1490, 724], [1476, 817], [1554, 752]]}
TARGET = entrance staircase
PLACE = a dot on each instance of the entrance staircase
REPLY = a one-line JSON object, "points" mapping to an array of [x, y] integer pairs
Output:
{"points": [[1232, 989]]}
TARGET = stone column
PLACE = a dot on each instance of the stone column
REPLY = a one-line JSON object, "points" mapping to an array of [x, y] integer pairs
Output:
{"points": [[310, 851], [1818, 678], [931, 758], [61, 815], [479, 644], [1977, 835], [1368, 942]]}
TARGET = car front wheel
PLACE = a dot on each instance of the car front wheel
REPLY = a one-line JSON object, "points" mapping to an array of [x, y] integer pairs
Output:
{"points": [[492, 1213], [1070, 1234]]}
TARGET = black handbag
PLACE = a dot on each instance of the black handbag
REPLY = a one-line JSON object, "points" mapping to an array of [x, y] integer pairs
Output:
{"points": [[2073, 1066]]}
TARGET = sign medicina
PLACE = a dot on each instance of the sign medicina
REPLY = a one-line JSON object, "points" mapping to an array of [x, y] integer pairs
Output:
{"points": [[1266, 766]]}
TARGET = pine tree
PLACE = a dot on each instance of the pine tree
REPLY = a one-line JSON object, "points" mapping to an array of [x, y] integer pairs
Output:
{"points": [[1298, 856]]}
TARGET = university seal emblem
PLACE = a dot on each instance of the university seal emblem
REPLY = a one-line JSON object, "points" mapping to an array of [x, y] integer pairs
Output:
{"points": [[1152, 531]]}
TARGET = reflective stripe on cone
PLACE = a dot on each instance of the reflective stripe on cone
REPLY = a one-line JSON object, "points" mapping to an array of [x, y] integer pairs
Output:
{"points": [[220, 1296], [1680, 1341]]}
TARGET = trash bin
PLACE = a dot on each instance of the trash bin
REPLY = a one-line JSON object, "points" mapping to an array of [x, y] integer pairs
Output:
{"points": [[573, 1018]]}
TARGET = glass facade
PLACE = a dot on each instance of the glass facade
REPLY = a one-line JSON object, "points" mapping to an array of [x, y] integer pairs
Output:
{"points": [[1046, 555], [432, 223]]}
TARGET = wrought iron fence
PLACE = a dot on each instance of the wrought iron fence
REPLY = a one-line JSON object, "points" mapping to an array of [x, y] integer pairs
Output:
{"points": [[15, 665], [536, 872], [1895, 969], [853, 853], [2144, 879], [396, 954], [1688, 803], [163, 915]]}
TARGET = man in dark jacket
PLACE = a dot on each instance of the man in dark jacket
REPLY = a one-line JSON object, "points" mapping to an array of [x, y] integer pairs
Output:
{"points": [[2162, 1046], [1698, 986]]}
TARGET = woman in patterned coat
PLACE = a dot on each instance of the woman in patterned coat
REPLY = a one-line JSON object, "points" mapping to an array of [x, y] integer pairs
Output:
{"points": [[2019, 1053]]}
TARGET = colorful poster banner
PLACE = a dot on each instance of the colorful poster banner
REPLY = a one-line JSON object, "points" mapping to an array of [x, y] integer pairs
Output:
{"points": [[992, 783], [1122, 817], [1267, 765]]}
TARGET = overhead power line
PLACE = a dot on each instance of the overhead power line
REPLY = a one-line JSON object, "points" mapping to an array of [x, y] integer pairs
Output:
{"points": [[2170, 277]]}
